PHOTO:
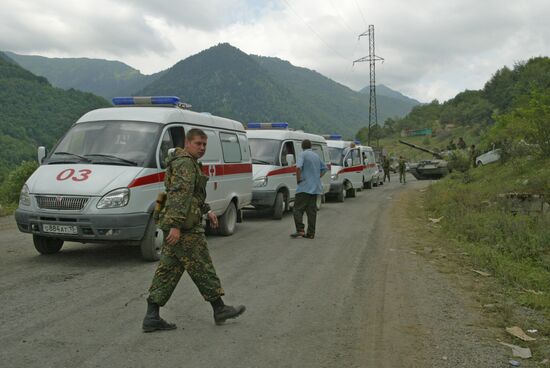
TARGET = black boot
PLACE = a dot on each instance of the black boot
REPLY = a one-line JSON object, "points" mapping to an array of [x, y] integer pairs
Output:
{"points": [[227, 312], [153, 322]]}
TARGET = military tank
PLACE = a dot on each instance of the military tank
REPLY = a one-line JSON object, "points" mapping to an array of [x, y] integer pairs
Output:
{"points": [[436, 168]]}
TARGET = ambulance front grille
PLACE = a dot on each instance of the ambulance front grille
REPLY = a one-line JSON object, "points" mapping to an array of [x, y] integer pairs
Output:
{"points": [[61, 202]]}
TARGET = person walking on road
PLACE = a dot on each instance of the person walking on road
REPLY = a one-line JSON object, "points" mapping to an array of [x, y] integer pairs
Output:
{"points": [[386, 167], [185, 246], [402, 170], [309, 170]]}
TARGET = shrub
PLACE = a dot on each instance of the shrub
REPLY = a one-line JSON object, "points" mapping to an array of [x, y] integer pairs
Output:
{"points": [[11, 187]]}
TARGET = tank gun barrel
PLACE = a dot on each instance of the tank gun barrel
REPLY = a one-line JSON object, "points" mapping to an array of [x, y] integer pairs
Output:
{"points": [[437, 155]]}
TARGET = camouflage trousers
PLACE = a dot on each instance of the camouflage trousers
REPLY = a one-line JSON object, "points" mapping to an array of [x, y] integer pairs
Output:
{"points": [[189, 253]]}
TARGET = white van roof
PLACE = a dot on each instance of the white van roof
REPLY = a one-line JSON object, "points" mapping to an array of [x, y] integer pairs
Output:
{"points": [[283, 134], [366, 148], [338, 144], [160, 115]]}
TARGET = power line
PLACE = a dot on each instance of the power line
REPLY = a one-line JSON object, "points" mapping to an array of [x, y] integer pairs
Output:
{"points": [[361, 12]]}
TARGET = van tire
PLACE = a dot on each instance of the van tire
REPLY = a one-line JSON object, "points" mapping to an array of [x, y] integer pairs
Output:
{"points": [[228, 220], [341, 195], [367, 184], [151, 244], [351, 192], [279, 206], [45, 245]]}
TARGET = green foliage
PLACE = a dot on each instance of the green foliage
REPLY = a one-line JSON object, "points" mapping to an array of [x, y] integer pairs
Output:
{"points": [[515, 247], [33, 113], [102, 77], [10, 188], [529, 122]]}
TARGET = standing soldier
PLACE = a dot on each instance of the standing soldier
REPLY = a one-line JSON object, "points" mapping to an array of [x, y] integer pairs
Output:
{"points": [[461, 144], [402, 170], [185, 247], [386, 167]]}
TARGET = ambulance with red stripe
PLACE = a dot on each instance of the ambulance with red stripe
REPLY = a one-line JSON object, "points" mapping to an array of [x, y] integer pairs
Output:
{"points": [[101, 181], [346, 167], [275, 148], [370, 169]]}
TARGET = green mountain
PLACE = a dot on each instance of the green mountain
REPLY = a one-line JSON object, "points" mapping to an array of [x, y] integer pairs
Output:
{"points": [[33, 113], [225, 81], [383, 90], [101, 77]]}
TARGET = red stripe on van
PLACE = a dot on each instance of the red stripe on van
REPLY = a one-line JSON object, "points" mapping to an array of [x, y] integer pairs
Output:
{"points": [[351, 169], [284, 170], [369, 165], [218, 170], [146, 180]]}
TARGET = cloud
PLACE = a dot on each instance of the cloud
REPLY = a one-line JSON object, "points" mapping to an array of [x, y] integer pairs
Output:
{"points": [[432, 49]]}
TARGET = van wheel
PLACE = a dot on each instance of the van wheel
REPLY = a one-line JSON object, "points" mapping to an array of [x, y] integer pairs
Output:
{"points": [[228, 220], [151, 244], [351, 192], [279, 206], [45, 245], [367, 184], [340, 196]]}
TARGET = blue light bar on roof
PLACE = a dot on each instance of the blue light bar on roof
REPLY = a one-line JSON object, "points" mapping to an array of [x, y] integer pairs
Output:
{"points": [[276, 125], [146, 100], [357, 141], [333, 137]]}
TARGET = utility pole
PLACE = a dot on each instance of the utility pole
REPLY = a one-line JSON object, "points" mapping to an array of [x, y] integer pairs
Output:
{"points": [[372, 59]]}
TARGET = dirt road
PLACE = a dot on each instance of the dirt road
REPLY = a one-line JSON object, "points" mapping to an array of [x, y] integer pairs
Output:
{"points": [[356, 296]]}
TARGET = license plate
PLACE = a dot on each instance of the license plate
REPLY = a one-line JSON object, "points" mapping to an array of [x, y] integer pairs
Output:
{"points": [[59, 229]]}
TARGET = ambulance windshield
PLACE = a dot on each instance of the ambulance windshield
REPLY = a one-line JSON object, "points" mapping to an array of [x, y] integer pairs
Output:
{"points": [[108, 142], [265, 151], [336, 155]]}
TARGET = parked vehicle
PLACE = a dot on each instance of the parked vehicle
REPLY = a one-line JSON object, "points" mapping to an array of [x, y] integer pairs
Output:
{"points": [[274, 149], [101, 180], [369, 166], [378, 178], [346, 168], [488, 157]]}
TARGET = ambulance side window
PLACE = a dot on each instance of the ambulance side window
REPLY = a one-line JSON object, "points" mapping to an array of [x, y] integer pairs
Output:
{"points": [[172, 137], [288, 148], [355, 157], [213, 150], [230, 147], [318, 150], [245, 148]]}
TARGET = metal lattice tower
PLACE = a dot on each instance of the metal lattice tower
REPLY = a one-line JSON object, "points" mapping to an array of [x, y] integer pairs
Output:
{"points": [[372, 59]]}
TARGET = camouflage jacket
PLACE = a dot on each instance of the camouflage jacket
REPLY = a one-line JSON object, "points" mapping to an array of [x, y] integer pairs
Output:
{"points": [[402, 165], [186, 192]]}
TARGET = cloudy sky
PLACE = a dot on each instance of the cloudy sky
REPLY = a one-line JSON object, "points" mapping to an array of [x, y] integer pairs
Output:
{"points": [[432, 48]]}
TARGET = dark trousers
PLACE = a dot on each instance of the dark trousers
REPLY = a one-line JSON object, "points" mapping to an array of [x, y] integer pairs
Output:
{"points": [[305, 202], [387, 174]]}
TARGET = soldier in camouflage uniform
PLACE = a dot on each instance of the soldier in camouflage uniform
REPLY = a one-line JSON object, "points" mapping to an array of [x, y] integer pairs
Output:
{"points": [[185, 247], [402, 170], [386, 167]]}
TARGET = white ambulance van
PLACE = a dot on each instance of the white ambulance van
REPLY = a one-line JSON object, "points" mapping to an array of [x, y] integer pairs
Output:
{"points": [[370, 169], [275, 148], [101, 180], [346, 168]]}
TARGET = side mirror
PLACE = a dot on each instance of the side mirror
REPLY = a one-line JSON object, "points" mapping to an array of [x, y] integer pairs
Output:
{"points": [[171, 151], [41, 154], [348, 162], [290, 159]]}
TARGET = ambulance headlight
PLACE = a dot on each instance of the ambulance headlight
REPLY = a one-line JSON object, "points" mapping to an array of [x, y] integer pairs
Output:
{"points": [[115, 199], [260, 182], [25, 197], [334, 177]]}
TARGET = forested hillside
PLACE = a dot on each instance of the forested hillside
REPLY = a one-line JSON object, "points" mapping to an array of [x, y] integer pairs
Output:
{"points": [[102, 77], [507, 91], [225, 81], [34, 113]]}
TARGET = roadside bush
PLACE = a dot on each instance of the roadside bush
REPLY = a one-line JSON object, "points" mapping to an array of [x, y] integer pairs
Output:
{"points": [[11, 187]]}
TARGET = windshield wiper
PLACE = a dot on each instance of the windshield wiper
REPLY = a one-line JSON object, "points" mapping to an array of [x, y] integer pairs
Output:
{"points": [[256, 161], [112, 156], [72, 154]]}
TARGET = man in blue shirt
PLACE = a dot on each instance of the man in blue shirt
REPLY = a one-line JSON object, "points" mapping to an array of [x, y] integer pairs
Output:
{"points": [[309, 170]]}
